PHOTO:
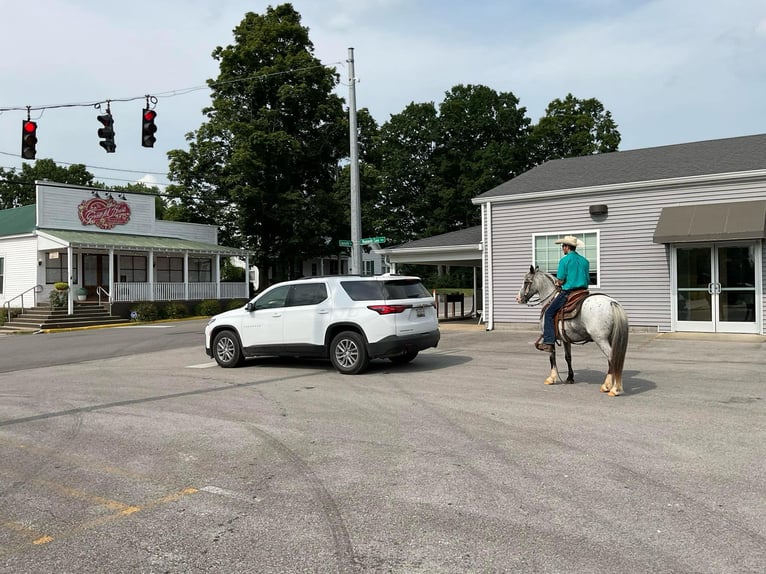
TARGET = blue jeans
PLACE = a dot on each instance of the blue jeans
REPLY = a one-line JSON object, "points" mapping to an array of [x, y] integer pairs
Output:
{"points": [[549, 335]]}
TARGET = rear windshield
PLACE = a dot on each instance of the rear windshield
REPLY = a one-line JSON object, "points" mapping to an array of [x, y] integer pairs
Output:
{"points": [[377, 290]]}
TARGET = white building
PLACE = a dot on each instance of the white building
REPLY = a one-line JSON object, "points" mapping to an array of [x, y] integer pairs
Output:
{"points": [[112, 245]]}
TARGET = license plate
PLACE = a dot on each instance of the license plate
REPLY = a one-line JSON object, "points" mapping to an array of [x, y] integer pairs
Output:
{"points": [[420, 312]]}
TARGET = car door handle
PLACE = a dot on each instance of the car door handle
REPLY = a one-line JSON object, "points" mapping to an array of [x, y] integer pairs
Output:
{"points": [[276, 314], [323, 311]]}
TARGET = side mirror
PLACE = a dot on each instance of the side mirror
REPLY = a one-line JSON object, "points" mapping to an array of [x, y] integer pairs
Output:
{"points": [[250, 306]]}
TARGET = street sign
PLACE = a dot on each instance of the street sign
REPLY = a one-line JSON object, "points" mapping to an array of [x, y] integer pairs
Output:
{"points": [[346, 243], [368, 240]]}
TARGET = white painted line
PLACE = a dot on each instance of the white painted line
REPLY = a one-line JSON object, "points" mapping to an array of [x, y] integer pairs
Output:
{"points": [[229, 493], [203, 365]]}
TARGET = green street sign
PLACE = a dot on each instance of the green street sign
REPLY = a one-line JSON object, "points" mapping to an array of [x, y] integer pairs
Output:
{"points": [[346, 243], [368, 240]]}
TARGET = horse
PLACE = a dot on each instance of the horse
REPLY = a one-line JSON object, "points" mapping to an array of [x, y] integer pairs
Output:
{"points": [[601, 319]]}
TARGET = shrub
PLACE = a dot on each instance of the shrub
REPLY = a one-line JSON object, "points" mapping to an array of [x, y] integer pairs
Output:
{"points": [[175, 310], [61, 285], [207, 307], [235, 304], [147, 312], [59, 298]]}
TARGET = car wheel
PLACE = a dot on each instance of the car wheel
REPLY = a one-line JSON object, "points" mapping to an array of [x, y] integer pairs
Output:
{"points": [[348, 353], [405, 357], [226, 349]]}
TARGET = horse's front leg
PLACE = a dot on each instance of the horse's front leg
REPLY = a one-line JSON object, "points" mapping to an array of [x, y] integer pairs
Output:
{"points": [[568, 356], [554, 376]]}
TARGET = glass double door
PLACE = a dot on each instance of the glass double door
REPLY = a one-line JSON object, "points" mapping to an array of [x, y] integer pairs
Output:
{"points": [[95, 272], [716, 287]]}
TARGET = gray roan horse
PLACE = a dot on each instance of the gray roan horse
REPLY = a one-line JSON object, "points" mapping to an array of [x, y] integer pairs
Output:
{"points": [[601, 320]]}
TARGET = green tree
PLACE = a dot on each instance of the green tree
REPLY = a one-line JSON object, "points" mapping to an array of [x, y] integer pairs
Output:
{"points": [[404, 158], [432, 163], [160, 206], [17, 188], [264, 164], [573, 127], [481, 142]]}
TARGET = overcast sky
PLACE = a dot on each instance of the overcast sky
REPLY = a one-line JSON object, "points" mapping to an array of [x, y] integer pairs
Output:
{"points": [[669, 71]]}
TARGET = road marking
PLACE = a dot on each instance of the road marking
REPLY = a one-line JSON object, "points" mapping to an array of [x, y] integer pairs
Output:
{"points": [[229, 493], [203, 365]]}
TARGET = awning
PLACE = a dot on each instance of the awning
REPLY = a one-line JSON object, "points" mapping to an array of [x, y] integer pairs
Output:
{"points": [[712, 222], [95, 240]]}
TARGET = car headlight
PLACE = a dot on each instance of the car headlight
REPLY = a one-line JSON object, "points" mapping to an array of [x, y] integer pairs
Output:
{"points": [[211, 321]]}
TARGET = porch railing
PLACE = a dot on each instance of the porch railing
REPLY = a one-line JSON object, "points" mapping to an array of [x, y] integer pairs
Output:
{"points": [[177, 291], [33, 291]]}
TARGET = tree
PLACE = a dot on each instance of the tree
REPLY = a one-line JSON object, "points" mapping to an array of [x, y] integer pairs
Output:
{"points": [[432, 163], [18, 188], [481, 143], [404, 153], [263, 166], [572, 128]]}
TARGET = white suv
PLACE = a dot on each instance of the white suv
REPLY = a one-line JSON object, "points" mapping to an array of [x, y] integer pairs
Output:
{"points": [[349, 319]]}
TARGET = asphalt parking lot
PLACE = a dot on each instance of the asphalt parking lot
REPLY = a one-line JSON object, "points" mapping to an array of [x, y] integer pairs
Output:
{"points": [[462, 461]]}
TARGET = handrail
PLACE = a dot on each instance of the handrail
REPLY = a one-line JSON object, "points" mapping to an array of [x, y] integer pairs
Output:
{"points": [[7, 304], [100, 290]]}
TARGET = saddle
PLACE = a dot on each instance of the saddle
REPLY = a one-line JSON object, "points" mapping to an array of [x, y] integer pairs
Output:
{"points": [[572, 307], [570, 310]]}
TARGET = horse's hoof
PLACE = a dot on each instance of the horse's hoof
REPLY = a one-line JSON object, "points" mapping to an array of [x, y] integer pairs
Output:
{"points": [[569, 381], [614, 393], [550, 382]]}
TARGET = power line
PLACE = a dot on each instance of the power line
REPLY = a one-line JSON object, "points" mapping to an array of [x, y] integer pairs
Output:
{"points": [[167, 94]]}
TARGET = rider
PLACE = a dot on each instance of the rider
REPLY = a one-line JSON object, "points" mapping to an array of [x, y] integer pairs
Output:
{"points": [[573, 273]]}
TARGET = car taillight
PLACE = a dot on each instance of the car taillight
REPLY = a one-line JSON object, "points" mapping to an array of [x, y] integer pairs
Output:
{"points": [[388, 309]]}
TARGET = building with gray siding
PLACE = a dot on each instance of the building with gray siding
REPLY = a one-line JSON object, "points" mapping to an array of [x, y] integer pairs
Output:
{"points": [[675, 233]]}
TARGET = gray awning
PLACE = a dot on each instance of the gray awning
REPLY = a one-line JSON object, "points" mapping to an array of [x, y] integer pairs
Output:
{"points": [[712, 222]]}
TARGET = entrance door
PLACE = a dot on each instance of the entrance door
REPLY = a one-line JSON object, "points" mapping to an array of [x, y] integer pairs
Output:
{"points": [[95, 272], [716, 288]]}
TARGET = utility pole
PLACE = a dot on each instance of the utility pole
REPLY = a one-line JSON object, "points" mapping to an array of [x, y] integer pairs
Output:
{"points": [[356, 212]]}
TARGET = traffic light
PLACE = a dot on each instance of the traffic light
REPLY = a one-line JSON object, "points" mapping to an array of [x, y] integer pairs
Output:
{"points": [[148, 128], [107, 132], [28, 139]]}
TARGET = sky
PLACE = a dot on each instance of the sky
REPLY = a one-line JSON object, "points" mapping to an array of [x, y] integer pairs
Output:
{"points": [[669, 71]]}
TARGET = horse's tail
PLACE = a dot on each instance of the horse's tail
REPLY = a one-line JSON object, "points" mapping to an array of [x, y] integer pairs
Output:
{"points": [[619, 339]]}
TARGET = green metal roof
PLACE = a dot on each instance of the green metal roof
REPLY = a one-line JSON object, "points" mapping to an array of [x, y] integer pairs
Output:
{"points": [[97, 240], [18, 220]]}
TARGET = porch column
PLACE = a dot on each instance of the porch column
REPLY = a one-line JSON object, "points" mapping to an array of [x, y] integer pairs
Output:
{"points": [[150, 275], [70, 276], [110, 283], [217, 277], [186, 275], [247, 276]]}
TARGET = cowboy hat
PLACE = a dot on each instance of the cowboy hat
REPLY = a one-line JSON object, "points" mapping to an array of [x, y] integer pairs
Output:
{"points": [[571, 240]]}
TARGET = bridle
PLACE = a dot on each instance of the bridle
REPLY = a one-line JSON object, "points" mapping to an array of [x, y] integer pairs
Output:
{"points": [[525, 296]]}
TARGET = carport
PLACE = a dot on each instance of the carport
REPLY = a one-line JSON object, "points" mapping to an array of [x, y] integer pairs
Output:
{"points": [[460, 248]]}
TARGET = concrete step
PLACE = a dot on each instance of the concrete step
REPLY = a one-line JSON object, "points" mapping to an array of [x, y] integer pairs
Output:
{"points": [[45, 317]]}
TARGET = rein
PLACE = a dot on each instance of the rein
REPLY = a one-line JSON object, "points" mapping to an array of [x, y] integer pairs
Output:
{"points": [[540, 300]]}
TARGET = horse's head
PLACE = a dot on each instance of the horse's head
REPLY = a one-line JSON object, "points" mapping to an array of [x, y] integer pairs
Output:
{"points": [[529, 288]]}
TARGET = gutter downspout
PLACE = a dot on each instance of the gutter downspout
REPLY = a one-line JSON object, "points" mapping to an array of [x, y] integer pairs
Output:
{"points": [[490, 295]]}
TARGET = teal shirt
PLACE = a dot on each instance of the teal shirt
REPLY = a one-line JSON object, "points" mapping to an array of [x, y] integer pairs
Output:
{"points": [[574, 271]]}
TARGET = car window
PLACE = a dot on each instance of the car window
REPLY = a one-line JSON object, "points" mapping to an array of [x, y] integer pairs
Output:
{"points": [[307, 294], [363, 290], [405, 289], [273, 299]]}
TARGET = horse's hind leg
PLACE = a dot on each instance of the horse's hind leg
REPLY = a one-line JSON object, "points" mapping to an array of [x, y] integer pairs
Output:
{"points": [[616, 389], [606, 348], [568, 356]]}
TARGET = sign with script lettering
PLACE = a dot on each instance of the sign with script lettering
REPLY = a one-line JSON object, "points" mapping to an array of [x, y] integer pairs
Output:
{"points": [[104, 213]]}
